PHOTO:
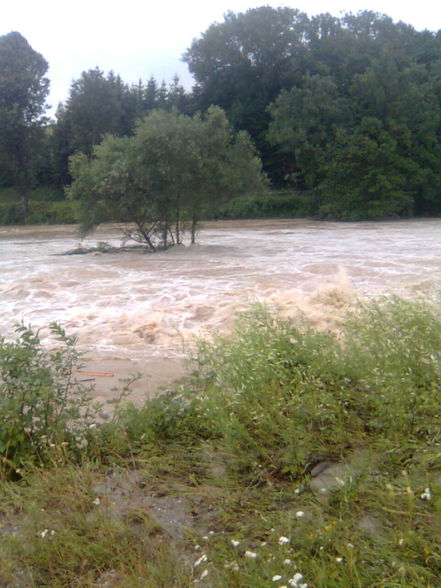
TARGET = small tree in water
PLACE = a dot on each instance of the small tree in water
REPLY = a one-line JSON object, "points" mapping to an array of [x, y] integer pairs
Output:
{"points": [[163, 179]]}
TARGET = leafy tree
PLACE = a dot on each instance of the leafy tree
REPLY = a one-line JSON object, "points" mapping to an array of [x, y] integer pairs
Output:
{"points": [[243, 63], [99, 104], [303, 127], [366, 140], [171, 171], [366, 177], [23, 92]]}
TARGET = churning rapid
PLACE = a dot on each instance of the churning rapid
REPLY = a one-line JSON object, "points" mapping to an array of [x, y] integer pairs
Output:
{"points": [[137, 305]]}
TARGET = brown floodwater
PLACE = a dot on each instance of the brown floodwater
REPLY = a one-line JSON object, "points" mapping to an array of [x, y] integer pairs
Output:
{"points": [[140, 307]]}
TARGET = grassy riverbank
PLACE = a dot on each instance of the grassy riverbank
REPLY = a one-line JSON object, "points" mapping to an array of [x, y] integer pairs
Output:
{"points": [[288, 458]]}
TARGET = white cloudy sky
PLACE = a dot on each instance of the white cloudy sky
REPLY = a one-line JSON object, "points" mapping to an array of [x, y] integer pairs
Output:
{"points": [[139, 38]]}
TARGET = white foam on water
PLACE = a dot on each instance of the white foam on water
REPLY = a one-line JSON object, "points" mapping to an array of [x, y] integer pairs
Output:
{"points": [[133, 304]]}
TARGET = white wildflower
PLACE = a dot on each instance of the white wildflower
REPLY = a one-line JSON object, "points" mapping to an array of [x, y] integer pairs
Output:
{"points": [[426, 495], [300, 514], [202, 559], [339, 559], [44, 533], [295, 580], [197, 547], [204, 574], [250, 554], [350, 545], [96, 501], [235, 542], [233, 565], [287, 562], [211, 532], [276, 578], [283, 540]]}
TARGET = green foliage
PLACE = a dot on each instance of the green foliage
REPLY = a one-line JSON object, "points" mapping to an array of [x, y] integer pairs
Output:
{"points": [[277, 203], [173, 169], [367, 142], [217, 483], [45, 411], [284, 395], [46, 206], [23, 92]]}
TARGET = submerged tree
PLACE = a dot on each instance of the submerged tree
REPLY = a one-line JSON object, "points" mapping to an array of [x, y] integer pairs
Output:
{"points": [[166, 176]]}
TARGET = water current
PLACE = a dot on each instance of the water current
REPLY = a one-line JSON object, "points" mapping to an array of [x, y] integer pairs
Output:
{"points": [[134, 305]]}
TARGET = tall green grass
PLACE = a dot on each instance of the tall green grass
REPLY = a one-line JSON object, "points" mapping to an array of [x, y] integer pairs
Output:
{"points": [[238, 443]]}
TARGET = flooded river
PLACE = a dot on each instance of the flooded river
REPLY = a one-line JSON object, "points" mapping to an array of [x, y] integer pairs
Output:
{"points": [[136, 306]]}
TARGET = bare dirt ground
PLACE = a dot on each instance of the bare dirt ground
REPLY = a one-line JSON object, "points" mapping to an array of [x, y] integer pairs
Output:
{"points": [[156, 375]]}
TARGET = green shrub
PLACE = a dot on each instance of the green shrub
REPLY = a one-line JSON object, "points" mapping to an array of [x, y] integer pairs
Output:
{"points": [[45, 413], [11, 213], [271, 204], [283, 396]]}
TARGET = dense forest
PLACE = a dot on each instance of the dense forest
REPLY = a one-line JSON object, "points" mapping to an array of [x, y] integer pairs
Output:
{"points": [[344, 113]]}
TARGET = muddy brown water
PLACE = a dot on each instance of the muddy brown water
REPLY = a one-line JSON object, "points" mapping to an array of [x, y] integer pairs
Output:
{"points": [[134, 311]]}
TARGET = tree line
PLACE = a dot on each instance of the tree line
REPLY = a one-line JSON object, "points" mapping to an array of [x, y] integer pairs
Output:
{"points": [[345, 113]]}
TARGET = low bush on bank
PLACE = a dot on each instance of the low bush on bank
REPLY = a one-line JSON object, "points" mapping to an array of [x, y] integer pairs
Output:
{"points": [[289, 457], [276, 203], [46, 414], [46, 206]]}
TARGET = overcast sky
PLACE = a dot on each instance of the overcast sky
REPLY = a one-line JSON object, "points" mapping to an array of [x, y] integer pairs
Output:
{"points": [[140, 38]]}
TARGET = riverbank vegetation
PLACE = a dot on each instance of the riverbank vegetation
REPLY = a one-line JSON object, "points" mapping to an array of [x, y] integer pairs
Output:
{"points": [[344, 113], [287, 457]]}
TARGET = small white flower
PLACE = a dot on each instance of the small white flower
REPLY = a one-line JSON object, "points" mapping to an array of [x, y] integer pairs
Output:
{"points": [[235, 542], [300, 514], [92, 426], [298, 491], [197, 547], [211, 532], [204, 574], [205, 537], [233, 565], [251, 554], [287, 562], [339, 559], [44, 533], [263, 543], [351, 545], [52, 533], [202, 559], [276, 578], [426, 495], [401, 541], [295, 580], [283, 540], [96, 501]]}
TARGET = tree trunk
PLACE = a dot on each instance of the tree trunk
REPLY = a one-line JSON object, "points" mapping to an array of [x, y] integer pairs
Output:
{"points": [[194, 223], [24, 195]]}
